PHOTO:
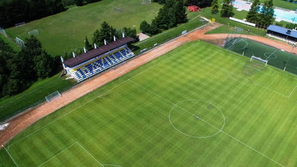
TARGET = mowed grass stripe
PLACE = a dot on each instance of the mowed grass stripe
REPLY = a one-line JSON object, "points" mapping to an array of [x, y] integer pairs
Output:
{"points": [[129, 125]]}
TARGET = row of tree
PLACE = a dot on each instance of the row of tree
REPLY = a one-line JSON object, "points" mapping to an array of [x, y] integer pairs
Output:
{"points": [[261, 16], [84, 2], [18, 71], [16, 11], [200, 3], [171, 14], [226, 10], [106, 32]]}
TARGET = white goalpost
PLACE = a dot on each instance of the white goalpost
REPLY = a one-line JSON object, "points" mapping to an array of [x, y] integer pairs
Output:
{"points": [[19, 42], [259, 59], [33, 32], [53, 96], [3, 31], [146, 1], [20, 24]]}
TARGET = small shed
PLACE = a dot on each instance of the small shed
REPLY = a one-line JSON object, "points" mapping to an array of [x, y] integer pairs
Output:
{"points": [[193, 8]]}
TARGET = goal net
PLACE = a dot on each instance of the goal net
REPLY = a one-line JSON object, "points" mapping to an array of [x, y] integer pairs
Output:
{"points": [[20, 24], [3, 31], [259, 59], [33, 32], [146, 1], [19, 42], [53, 96]]}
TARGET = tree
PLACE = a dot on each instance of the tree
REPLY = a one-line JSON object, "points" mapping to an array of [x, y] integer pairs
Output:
{"points": [[160, 1], [16, 11], [145, 27], [43, 65], [154, 28], [88, 46], [253, 15], [166, 16], [180, 12], [79, 2], [227, 9], [267, 13], [130, 32], [106, 32], [200, 3], [214, 7]]}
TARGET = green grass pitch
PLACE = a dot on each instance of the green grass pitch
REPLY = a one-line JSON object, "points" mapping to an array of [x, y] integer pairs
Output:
{"points": [[66, 31], [198, 105]]}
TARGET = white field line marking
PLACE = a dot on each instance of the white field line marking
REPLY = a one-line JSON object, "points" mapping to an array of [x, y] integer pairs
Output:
{"points": [[58, 154], [292, 91], [67, 113], [256, 69], [198, 137], [111, 165], [210, 57], [271, 54], [235, 44], [253, 149], [90, 154], [216, 128], [163, 60], [255, 83], [98, 96], [11, 157]]}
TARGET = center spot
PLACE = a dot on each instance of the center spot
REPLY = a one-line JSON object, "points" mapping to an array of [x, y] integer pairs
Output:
{"points": [[197, 118]]}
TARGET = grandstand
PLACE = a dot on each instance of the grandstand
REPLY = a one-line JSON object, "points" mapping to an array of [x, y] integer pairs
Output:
{"points": [[97, 60]]}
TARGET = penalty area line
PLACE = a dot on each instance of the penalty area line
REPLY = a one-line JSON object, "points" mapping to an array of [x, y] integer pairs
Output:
{"points": [[90, 154], [102, 94], [58, 154]]}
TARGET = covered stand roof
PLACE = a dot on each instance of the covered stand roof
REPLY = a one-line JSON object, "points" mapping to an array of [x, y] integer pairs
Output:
{"points": [[97, 52], [283, 31]]}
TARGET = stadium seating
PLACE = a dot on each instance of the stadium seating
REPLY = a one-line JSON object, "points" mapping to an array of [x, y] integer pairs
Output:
{"points": [[102, 64]]}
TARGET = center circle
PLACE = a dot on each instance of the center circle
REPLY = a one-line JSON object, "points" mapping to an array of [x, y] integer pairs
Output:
{"points": [[197, 118]]}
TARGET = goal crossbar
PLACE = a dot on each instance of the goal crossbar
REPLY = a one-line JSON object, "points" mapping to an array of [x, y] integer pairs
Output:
{"points": [[259, 59], [53, 96]]}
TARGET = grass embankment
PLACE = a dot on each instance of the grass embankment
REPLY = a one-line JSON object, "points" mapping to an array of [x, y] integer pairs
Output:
{"points": [[194, 22], [36, 93], [14, 46], [229, 25]]}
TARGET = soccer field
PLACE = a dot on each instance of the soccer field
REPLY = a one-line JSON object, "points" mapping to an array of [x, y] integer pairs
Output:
{"points": [[66, 31], [198, 105]]}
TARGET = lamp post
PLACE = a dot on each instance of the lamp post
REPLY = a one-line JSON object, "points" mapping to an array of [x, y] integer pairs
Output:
{"points": [[288, 33]]}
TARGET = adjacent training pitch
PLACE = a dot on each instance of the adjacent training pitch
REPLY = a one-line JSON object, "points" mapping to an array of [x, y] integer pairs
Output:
{"points": [[198, 105], [66, 31]]}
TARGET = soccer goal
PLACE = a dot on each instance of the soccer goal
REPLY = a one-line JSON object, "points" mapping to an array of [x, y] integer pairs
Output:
{"points": [[3, 31], [20, 24], [259, 59], [146, 1], [53, 96], [19, 42], [33, 32]]}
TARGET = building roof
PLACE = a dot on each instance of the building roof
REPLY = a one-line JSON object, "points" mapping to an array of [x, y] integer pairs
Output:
{"points": [[282, 31], [97, 52]]}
